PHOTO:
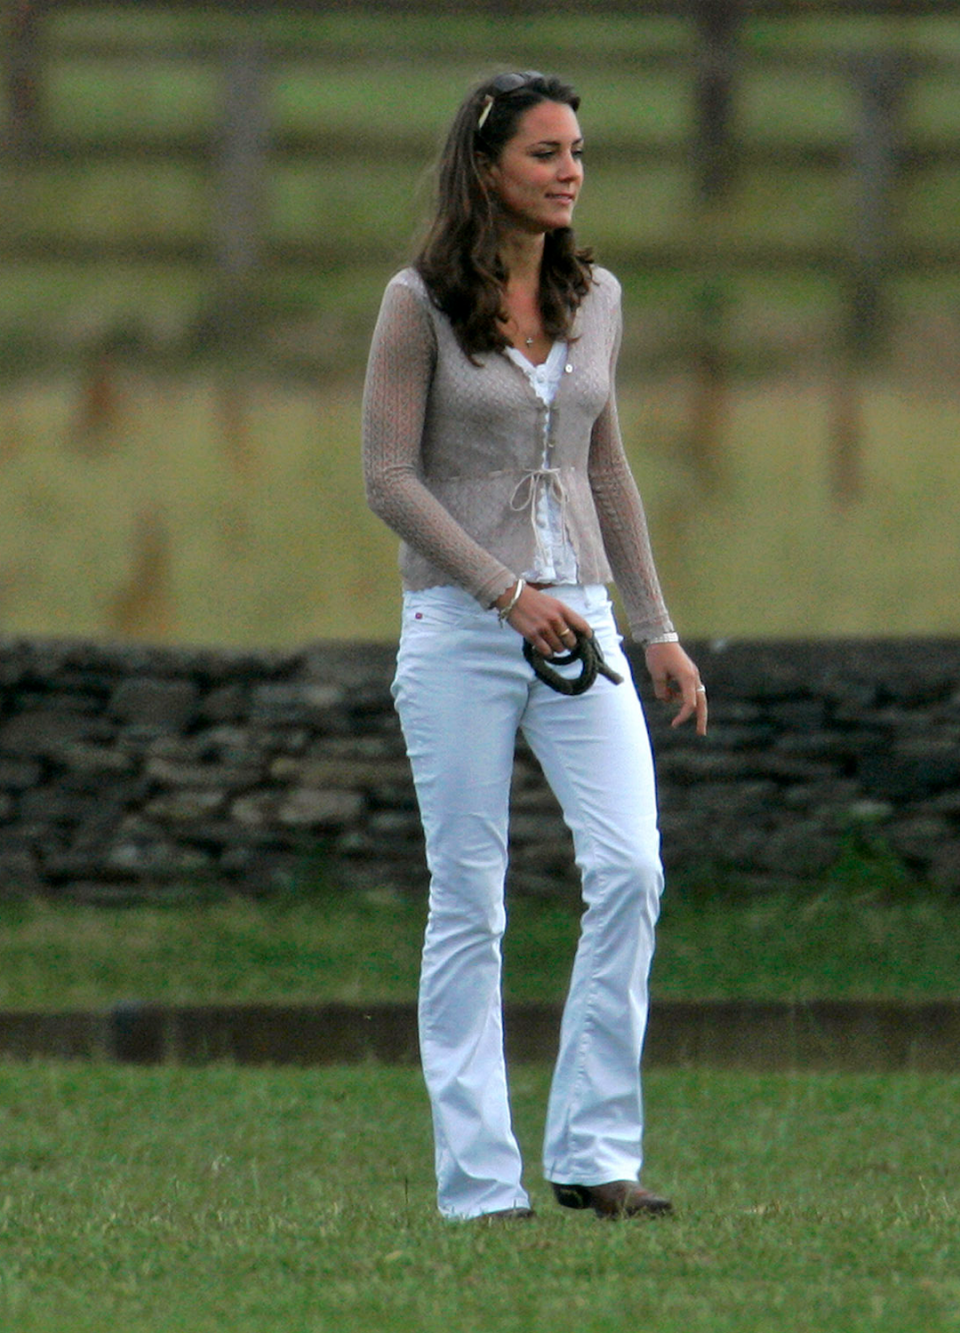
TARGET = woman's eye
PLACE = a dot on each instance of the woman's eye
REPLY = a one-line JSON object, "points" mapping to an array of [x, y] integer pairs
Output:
{"points": [[544, 154]]}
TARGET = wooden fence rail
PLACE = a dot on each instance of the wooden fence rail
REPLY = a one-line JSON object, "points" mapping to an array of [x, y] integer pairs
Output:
{"points": [[876, 153]]}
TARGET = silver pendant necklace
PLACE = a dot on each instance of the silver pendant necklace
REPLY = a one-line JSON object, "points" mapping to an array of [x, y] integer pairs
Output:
{"points": [[527, 342]]}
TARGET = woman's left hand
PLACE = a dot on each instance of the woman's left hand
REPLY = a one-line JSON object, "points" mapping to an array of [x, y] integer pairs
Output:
{"points": [[674, 677]]}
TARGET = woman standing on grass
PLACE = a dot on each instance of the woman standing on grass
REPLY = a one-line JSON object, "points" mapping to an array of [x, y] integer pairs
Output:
{"points": [[491, 446]]}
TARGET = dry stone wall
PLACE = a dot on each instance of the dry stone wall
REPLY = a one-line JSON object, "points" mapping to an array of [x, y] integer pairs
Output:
{"points": [[130, 771]]}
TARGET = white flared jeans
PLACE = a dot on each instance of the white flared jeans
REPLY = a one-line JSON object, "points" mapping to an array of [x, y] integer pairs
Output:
{"points": [[463, 690]]}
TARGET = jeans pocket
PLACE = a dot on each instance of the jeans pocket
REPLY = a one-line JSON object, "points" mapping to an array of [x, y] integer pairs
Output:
{"points": [[446, 608]]}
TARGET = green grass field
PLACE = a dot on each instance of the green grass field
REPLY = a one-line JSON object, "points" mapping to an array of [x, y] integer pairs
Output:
{"points": [[229, 1201]]}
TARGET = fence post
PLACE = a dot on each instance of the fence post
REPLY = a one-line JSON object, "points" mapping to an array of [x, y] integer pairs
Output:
{"points": [[714, 162], [875, 156], [24, 78], [238, 209], [882, 80], [718, 25]]}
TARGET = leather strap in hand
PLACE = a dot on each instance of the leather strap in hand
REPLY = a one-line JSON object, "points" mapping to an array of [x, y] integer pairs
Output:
{"points": [[587, 651]]}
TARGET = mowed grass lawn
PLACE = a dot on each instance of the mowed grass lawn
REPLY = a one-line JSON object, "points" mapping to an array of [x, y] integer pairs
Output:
{"points": [[235, 1200], [229, 1201]]}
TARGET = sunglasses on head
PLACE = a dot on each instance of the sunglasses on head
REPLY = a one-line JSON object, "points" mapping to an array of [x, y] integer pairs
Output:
{"points": [[505, 83]]}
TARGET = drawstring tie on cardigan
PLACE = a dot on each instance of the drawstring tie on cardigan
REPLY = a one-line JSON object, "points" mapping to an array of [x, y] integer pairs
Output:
{"points": [[534, 485]]}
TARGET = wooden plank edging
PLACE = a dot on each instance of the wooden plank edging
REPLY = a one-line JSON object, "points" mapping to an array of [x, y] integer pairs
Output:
{"points": [[724, 1034]]}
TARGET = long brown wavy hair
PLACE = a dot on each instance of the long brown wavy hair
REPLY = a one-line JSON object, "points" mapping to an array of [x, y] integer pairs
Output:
{"points": [[459, 259]]}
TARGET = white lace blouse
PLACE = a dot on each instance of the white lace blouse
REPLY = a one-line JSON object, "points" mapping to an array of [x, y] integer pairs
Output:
{"points": [[556, 560]]}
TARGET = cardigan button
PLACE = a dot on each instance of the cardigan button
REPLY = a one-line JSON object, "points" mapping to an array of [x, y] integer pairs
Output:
{"points": [[568, 369]]}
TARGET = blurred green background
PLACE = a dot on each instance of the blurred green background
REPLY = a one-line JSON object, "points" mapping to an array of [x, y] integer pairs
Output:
{"points": [[198, 215]]}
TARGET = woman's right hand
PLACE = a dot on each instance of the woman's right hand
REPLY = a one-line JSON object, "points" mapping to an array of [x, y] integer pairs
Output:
{"points": [[544, 621]]}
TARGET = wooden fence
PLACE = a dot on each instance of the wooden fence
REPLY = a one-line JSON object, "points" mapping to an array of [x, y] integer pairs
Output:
{"points": [[875, 155]]}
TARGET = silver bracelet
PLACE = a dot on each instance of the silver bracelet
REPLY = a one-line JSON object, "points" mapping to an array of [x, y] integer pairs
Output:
{"points": [[504, 611], [662, 638]]}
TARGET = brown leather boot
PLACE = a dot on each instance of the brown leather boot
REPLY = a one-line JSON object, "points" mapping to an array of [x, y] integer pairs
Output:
{"points": [[617, 1198]]}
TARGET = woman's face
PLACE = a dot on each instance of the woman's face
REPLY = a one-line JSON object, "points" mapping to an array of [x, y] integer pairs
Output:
{"points": [[538, 175]]}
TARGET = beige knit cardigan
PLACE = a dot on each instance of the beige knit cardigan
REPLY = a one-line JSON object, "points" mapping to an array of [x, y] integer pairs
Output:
{"points": [[453, 453]]}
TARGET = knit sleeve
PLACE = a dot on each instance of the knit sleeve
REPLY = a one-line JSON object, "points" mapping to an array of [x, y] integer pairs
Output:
{"points": [[399, 371], [623, 524]]}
